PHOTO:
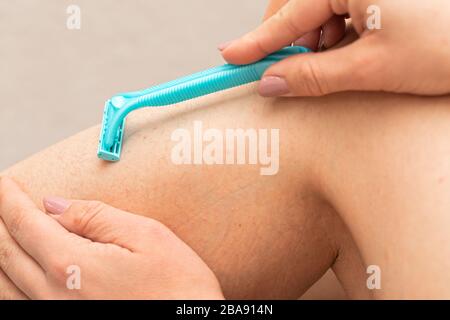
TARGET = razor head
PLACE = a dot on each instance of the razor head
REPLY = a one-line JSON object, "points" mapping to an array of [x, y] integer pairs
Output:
{"points": [[113, 152]]}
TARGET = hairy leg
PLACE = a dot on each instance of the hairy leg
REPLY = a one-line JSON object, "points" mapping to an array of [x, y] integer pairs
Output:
{"points": [[264, 236], [379, 161]]}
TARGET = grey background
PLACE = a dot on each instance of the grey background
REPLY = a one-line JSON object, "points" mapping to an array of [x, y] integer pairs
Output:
{"points": [[53, 81]]}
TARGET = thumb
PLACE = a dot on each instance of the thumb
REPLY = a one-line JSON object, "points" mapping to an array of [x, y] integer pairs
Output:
{"points": [[99, 222], [354, 67]]}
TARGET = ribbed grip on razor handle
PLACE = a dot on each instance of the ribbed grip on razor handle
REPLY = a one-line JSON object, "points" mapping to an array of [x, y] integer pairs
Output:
{"points": [[200, 87], [196, 85], [191, 77]]}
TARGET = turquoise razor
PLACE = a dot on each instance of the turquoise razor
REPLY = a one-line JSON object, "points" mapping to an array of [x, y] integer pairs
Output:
{"points": [[200, 84]]}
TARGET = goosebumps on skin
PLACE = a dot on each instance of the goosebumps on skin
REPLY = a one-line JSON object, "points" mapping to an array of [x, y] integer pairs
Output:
{"points": [[368, 167]]}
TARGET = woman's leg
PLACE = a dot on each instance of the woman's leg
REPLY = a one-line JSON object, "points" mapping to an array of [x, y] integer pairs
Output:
{"points": [[379, 161], [264, 236], [383, 162]]}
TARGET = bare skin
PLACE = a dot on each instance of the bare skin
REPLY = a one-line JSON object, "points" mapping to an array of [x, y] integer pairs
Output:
{"points": [[263, 236], [377, 162], [360, 65]]}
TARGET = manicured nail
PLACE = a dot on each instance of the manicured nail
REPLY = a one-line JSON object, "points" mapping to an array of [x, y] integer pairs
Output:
{"points": [[322, 45], [271, 86], [56, 205], [224, 45]]}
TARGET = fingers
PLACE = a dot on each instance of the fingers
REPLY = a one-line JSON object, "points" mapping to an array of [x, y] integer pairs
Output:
{"points": [[291, 22], [347, 68], [333, 31], [273, 7], [39, 235], [310, 40], [19, 273], [99, 222], [8, 291]]}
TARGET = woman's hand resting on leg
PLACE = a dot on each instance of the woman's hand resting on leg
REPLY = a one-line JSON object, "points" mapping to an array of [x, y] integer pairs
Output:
{"points": [[88, 250]]}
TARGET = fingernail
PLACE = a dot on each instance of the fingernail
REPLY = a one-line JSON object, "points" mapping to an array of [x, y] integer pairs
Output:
{"points": [[271, 86], [224, 45], [56, 205], [322, 45], [300, 42]]}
